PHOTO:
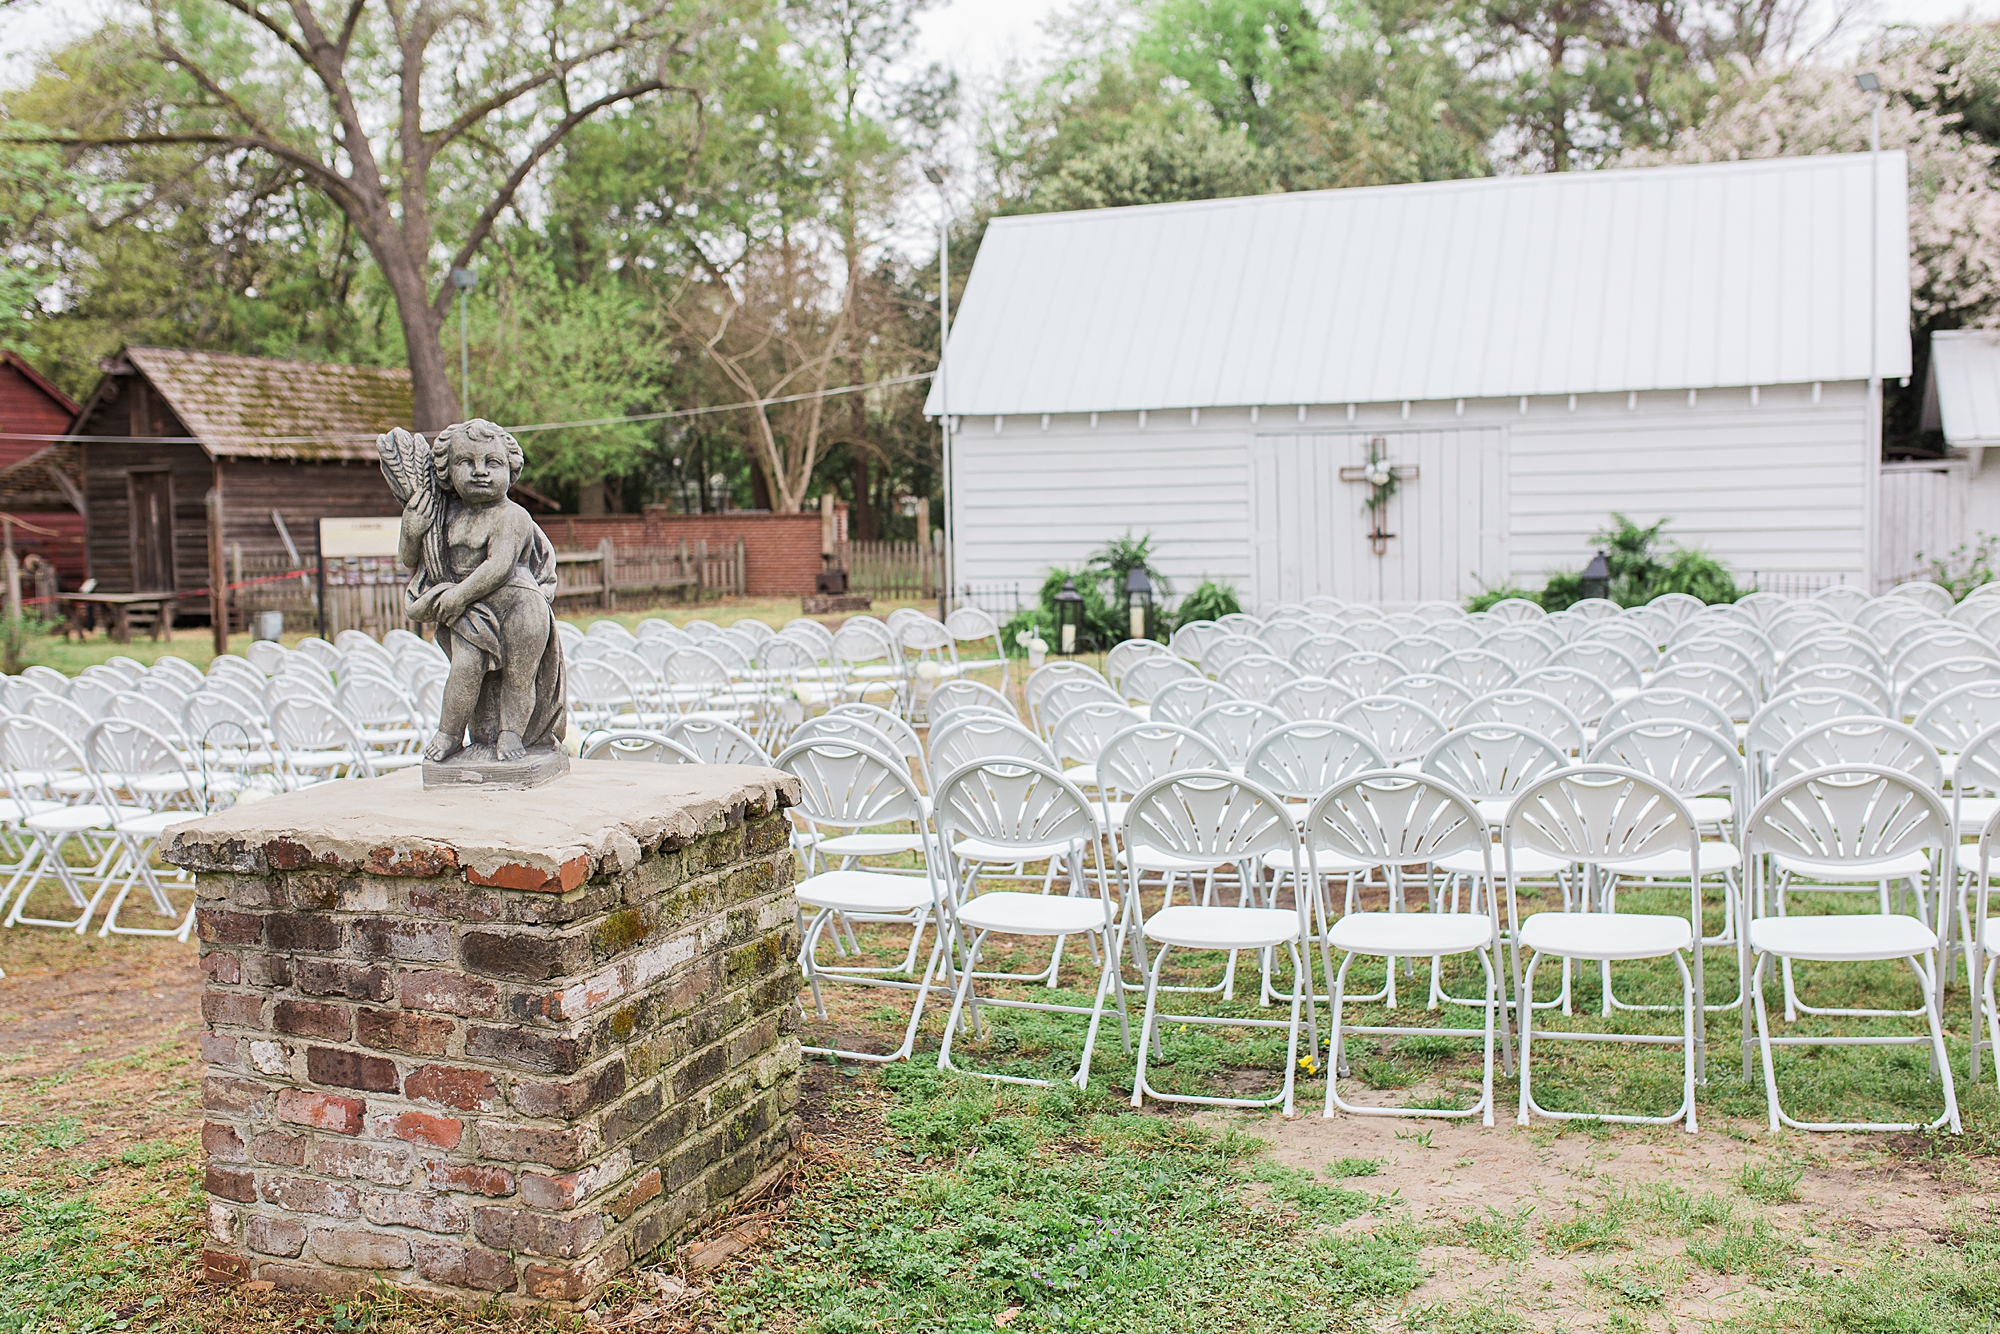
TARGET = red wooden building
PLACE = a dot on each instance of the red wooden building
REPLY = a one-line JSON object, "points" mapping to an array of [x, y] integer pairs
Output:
{"points": [[283, 443], [51, 523]]}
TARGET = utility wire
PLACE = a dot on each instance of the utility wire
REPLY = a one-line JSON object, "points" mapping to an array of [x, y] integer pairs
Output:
{"points": [[516, 430]]}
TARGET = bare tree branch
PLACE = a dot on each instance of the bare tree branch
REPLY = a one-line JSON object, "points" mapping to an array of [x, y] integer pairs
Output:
{"points": [[504, 198]]}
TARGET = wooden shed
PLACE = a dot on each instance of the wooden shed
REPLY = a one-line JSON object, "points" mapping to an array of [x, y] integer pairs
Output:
{"points": [[280, 443], [31, 412]]}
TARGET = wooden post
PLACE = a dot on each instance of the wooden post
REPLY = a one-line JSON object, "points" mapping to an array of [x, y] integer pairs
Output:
{"points": [[924, 522], [606, 557], [13, 569], [218, 575], [829, 530]]}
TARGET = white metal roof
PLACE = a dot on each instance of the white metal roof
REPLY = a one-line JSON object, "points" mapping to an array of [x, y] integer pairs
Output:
{"points": [[1963, 394], [1684, 277]]}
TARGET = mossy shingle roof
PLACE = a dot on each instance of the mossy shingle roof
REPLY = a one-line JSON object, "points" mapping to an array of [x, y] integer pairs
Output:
{"points": [[268, 407]]}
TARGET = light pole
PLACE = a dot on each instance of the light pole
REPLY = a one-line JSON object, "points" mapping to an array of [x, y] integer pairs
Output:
{"points": [[463, 280], [936, 177], [1870, 85]]}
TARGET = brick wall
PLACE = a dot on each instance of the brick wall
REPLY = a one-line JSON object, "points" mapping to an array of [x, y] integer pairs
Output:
{"points": [[419, 1078], [781, 552]]}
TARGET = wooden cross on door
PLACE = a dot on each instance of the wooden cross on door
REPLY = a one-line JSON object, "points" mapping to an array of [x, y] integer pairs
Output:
{"points": [[1382, 478]]}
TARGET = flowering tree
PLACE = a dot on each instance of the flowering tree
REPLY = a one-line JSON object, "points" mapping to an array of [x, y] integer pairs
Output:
{"points": [[1954, 192]]}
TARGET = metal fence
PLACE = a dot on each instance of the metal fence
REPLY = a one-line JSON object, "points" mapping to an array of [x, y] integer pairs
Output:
{"points": [[1003, 600], [1791, 585]]}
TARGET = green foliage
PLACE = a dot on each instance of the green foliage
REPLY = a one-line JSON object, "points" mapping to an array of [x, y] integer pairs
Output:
{"points": [[1769, 1183], [1643, 563], [1100, 582], [1210, 601], [1969, 565]]}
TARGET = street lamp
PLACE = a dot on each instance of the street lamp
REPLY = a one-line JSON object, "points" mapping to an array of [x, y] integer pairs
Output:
{"points": [[1870, 85], [1069, 618], [935, 175], [1139, 603], [463, 280], [1597, 577]]}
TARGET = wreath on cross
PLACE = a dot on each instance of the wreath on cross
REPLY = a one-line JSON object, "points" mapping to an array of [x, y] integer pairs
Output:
{"points": [[1381, 478]]}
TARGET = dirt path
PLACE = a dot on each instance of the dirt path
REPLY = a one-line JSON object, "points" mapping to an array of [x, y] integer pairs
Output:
{"points": [[1585, 1229]]}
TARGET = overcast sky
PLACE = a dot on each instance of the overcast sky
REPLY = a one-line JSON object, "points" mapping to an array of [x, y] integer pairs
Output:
{"points": [[975, 37]]}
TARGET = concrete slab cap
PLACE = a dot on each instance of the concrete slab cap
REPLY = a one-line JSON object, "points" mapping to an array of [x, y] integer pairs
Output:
{"points": [[600, 817]]}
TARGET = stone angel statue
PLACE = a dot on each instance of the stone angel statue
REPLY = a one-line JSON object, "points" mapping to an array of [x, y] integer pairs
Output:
{"points": [[487, 575]]}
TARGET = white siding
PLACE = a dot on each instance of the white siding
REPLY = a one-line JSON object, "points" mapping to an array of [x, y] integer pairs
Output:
{"points": [[1029, 499], [1776, 488], [1501, 495]]}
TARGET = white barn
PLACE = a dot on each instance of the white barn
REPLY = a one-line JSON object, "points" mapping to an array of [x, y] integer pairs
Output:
{"points": [[1677, 341]]}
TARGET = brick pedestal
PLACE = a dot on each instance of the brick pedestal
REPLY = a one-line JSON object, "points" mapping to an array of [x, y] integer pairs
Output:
{"points": [[492, 1043]]}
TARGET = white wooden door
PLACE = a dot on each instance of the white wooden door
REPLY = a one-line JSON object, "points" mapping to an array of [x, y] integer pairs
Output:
{"points": [[1309, 529]]}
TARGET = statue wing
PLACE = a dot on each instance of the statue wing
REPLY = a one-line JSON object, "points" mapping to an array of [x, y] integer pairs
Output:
{"points": [[406, 465]]}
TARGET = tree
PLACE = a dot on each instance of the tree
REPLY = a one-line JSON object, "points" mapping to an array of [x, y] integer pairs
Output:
{"points": [[1934, 82], [481, 94], [1196, 99]]}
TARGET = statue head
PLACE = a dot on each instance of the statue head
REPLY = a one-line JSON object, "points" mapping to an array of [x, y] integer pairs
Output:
{"points": [[476, 460]]}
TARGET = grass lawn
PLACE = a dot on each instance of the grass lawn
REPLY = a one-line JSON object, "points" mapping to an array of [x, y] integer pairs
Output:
{"points": [[927, 1202]]}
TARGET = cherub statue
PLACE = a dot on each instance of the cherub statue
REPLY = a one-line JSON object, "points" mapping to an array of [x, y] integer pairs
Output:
{"points": [[487, 575]]}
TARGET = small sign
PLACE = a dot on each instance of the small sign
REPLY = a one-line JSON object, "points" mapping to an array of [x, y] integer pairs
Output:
{"points": [[359, 537]]}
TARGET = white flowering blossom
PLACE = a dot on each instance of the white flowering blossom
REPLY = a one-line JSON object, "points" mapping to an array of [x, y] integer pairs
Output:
{"points": [[1807, 109]]}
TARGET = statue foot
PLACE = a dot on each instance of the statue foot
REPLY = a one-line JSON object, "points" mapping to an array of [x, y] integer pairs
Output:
{"points": [[442, 747], [509, 747]]}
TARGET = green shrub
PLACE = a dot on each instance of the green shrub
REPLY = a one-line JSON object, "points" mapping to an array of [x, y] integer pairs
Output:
{"points": [[1210, 601], [1100, 582], [1643, 564]]}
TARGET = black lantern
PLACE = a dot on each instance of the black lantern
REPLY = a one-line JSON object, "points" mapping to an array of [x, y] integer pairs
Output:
{"points": [[1597, 577], [1069, 618], [1138, 603]]}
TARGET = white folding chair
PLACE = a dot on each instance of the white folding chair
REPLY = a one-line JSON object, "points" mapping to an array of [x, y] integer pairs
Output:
{"points": [[150, 768], [969, 736], [1604, 817], [951, 695], [1024, 811], [717, 741], [1317, 655], [634, 744], [1215, 817], [1441, 695], [1478, 670], [1184, 701], [1311, 697], [1366, 672], [1527, 708], [1391, 819], [1256, 676], [1401, 729], [1845, 823], [1236, 727], [847, 787], [1146, 678]]}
